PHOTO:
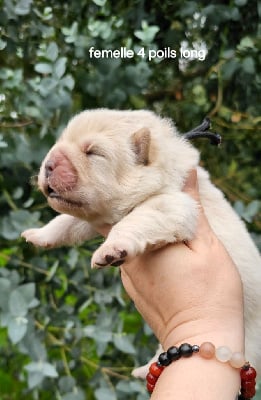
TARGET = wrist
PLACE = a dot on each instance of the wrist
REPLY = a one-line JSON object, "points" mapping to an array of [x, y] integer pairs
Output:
{"points": [[197, 378], [234, 367], [228, 330]]}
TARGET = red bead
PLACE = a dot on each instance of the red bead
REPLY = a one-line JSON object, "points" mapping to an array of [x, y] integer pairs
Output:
{"points": [[150, 387], [156, 369], [151, 378], [248, 384], [249, 393], [248, 374]]}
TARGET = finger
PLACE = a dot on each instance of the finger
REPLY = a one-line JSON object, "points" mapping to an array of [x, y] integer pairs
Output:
{"points": [[191, 185], [204, 234]]}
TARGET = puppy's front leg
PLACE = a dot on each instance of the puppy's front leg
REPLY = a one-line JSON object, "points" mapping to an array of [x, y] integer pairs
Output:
{"points": [[160, 220], [63, 230]]}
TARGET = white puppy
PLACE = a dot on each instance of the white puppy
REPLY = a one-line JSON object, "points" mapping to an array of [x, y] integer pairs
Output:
{"points": [[127, 169]]}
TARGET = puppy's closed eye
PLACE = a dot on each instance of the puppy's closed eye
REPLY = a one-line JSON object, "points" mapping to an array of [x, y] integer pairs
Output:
{"points": [[93, 150]]}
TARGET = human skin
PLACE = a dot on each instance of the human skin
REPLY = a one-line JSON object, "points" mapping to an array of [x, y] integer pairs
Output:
{"points": [[191, 292]]}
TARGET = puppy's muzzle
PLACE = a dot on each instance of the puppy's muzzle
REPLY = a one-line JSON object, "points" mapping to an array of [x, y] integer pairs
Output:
{"points": [[60, 175]]}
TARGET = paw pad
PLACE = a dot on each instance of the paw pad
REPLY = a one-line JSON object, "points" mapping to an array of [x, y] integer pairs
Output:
{"points": [[115, 260]]}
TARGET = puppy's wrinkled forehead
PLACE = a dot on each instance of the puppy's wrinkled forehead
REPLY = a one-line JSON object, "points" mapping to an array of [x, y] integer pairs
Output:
{"points": [[95, 122]]}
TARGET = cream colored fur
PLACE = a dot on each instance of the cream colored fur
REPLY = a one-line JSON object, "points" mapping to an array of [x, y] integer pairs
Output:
{"points": [[127, 169]]}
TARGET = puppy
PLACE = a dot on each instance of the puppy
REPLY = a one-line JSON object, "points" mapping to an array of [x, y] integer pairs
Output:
{"points": [[127, 169]]}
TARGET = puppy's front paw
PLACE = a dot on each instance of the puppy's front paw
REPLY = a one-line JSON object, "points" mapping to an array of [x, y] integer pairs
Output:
{"points": [[113, 253], [37, 237], [108, 255]]}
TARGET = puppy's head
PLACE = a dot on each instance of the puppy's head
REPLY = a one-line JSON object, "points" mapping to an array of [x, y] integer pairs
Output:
{"points": [[98, 169]]}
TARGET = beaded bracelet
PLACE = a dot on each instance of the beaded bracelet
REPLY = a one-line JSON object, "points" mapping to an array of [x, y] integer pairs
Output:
{"points": [[207, 350]]}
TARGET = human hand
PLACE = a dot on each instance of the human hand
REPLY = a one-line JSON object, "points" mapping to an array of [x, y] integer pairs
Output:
{"points": [[189, 292]]}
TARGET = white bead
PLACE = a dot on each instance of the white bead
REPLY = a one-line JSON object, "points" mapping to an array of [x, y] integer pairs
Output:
{"points": [[223, 353], [237, 360]]}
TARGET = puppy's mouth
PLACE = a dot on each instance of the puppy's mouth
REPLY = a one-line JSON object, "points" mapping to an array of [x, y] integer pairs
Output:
{"points": [[54, 196]]}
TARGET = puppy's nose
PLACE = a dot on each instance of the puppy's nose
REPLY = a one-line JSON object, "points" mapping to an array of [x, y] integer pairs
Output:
{"points": [[49, 167]]}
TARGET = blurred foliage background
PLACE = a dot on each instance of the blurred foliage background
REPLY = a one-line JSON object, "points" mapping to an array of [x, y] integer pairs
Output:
{"points": [[69, 333]]}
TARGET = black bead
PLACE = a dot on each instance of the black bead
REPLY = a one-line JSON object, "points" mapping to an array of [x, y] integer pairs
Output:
{"points": [[173, 353], [185, 350], [163, 359], [195, 348]]}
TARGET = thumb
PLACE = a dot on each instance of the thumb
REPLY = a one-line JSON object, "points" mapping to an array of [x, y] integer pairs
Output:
{"points": [[204, 234], [191, 185]]}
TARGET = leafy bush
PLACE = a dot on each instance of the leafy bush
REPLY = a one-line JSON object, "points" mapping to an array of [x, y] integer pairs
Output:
{"points": [[68, 331]]}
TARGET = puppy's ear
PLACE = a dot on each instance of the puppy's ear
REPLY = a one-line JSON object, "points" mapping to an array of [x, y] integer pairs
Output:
{"points": [[141, 145]]}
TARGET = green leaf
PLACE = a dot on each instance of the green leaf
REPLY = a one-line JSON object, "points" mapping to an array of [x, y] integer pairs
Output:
{"points": [[37, 371], [240, 3], [44, 368], [23, 7], [68, 82], [124, 343], [35, 379], [2, 44], [46, 15], [188, 8], [248, 65], [99, 335], [147, 34], [66, 384], [27, 291], [14, 278], [99, 2], [235, 14], [253, 208], [247, 212], [3, 144], [43, 68], [73, 257], [246, 42], [5, 287], [49, 370], [105, 394], [11, 226], [36, 349], [47, 86], [17, 328], [71, 33], [60, 67], [52, 271], [52, 51], [229, 68], [239, 207], [135, 386], [17, 304], [75, 395]]}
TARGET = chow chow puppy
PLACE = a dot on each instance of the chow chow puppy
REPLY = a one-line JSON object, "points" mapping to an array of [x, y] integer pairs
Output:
{"points": [[127, 169]]}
